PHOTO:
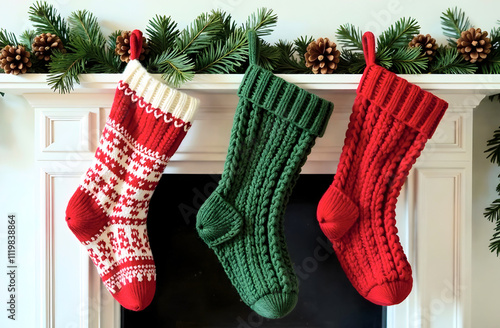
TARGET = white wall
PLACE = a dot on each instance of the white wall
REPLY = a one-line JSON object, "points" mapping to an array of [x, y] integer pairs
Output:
{"points": [[17, 173]]}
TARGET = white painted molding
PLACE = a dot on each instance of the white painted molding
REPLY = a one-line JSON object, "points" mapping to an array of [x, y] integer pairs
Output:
{"points": [[106, 83], [438, 191]]}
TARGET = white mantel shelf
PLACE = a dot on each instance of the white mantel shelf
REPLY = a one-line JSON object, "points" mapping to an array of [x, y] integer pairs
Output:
{"points": [[106, 83], [434, 210]]}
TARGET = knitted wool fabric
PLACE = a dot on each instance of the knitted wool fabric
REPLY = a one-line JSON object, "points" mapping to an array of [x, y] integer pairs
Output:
{"points": [[108, 211], [389, 126], [275, 126]]}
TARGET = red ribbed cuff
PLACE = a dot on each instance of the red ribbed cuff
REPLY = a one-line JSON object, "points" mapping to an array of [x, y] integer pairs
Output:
{"points": [[407, 102]]}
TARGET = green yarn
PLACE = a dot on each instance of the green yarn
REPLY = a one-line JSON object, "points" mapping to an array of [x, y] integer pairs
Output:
{"points": [[275, 126]]}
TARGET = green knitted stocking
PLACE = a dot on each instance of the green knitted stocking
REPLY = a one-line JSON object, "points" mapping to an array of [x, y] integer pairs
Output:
{"points": [[275, 126]]}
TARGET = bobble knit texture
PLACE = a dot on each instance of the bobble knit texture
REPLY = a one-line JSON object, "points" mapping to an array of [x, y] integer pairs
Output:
{"points": [[275, 126], [108, 211], [390, 123]]}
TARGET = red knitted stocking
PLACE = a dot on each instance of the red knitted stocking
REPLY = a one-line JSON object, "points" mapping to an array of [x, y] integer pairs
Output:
{"points": [[389, 126], [108, 211]]}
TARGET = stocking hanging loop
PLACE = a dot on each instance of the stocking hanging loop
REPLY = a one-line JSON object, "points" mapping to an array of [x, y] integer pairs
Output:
{"points": [[253, 51], [369, 48], [135, 44]]}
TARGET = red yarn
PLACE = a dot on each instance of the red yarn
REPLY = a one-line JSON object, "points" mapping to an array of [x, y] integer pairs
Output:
{"points": [[108, 211], [135, 44], [390, 123]]}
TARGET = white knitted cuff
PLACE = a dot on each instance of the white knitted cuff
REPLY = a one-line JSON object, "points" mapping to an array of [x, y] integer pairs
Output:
{"points": [[158, 94]]}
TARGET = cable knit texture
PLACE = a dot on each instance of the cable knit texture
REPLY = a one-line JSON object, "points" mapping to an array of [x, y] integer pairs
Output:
{"points": [[275, 126], [390, 123], [108, 211]]}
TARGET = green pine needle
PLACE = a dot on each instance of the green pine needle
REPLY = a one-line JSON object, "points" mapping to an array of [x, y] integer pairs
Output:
{"points": [[300, 47], [64, 70], [492, 63], [200, 34], [84, 25], [454, 22], [112, 39], [399, 34], [288, 63], [492, 213], [26, 39], [495, 37], [7, 38], [494, 147], [495, 240], [409, 61], [224, 56], [349, 37], [268, 56], [450, 61], [263, 21], [1, 93], [384, 57], [46, 20], [351, 62], [175, 67], [162, 33], [229, 26]]}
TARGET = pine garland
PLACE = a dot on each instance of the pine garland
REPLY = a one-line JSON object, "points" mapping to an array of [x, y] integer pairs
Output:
{"points": [[214, 43], [492, 212]]}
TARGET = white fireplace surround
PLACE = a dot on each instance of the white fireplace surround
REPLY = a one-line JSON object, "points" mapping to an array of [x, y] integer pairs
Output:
{"points": [[434, 212]]}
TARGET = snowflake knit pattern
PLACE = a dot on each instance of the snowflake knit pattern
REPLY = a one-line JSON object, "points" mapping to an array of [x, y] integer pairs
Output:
{"points": [[275, 126], [108, 211], [390, 123]]}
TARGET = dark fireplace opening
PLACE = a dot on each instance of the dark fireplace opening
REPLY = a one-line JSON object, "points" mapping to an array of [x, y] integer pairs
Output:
{"points": [[193, 290]]}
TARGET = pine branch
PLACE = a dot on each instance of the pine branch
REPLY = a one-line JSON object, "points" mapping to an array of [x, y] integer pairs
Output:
{"points": [[492, 212], [26, 39], [349, 37], [200, 34], [300, 47], [7, 38], [492, 63], [384, 57], [450, 61], [64, 70], [495, 96], [84, 25], [262, 22], [176, 67], [494, 147], [495, 240], [229, 26], [287, 62], [351, 62], [103, 60], [223, 56], [495, 37], [454, 22], [112, 39], [162, 33], [409, 61], [399, 34], [46, 20], [268, 56]]}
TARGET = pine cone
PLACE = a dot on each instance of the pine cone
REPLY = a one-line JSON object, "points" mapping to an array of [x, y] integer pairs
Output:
{"points": [[44, 44], [322, 55], [15, 60], [123, 47], [474, 45], [426, 43]]}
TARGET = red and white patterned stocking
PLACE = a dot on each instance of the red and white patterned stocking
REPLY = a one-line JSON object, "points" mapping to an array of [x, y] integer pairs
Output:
{"points": [[108, 211]]}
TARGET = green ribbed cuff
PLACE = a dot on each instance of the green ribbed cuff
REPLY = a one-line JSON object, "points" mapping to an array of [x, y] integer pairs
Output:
{"points": [[286, 100]]}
